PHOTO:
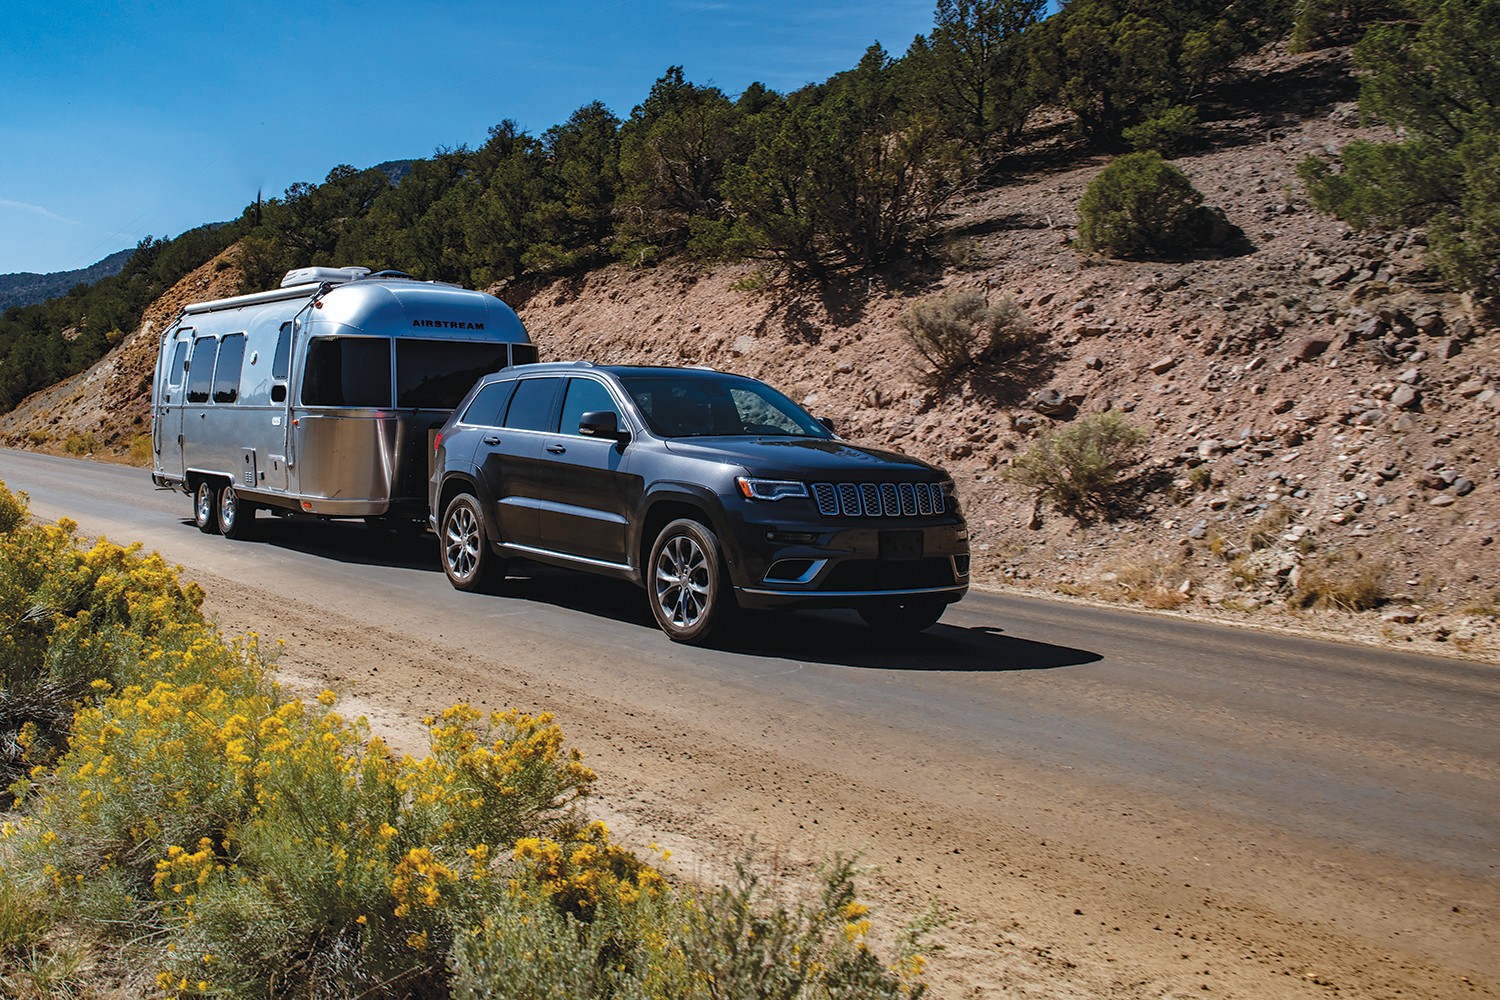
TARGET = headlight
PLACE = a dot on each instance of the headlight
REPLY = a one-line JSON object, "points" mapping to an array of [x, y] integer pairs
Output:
{"points": [[769, 489]]}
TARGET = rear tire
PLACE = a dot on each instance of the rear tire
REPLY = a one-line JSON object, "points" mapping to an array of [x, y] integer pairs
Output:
{"points": [[235, 516], [900, 616], [205, 507], [468, 562], [691, 598]]}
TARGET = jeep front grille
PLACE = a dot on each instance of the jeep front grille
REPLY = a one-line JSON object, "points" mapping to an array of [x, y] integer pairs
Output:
{"points": [[878, 499]]}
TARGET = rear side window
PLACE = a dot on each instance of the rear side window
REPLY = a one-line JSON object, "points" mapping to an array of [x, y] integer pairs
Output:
{"points": [[347, 371], [201, 369], [227, 370], [531, 406], [488, 404]]}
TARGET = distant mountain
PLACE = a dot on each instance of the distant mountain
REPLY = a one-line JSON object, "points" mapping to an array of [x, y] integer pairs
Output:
{"points": [[26, 288], [395, 169]]}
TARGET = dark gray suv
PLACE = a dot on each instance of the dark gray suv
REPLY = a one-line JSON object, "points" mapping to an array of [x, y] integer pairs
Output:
{"points": [[712, 491]]}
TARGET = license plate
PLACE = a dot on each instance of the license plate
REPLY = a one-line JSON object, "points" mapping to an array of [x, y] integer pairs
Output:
{"points": [[900, 545]]}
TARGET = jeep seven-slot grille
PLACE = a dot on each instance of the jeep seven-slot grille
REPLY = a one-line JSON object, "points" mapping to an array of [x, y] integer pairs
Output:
{"points": [[878, 499]]}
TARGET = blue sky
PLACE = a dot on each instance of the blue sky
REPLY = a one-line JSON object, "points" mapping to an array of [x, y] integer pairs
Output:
{"points": [[119, 120]]}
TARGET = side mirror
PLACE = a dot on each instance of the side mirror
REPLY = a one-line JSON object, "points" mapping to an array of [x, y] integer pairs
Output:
{"points": [[828, 423], [602, 424], [278, 393]]}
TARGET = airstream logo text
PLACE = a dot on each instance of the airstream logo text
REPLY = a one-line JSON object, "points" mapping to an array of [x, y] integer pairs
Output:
{"points": [[446, 324]]}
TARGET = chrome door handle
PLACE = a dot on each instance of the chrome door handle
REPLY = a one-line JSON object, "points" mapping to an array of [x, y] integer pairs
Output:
{"points": [[492, 439]]}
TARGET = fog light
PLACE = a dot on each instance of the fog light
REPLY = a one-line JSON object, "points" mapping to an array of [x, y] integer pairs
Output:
{"points": [[792, 537]]}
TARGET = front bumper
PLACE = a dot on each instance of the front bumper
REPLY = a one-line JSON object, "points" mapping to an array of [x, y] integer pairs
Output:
{"points": [[792, 563]]}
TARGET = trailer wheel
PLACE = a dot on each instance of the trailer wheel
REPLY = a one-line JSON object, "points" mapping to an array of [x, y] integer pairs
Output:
{"points": [[205, 507], [235, 516], [467, 559]]}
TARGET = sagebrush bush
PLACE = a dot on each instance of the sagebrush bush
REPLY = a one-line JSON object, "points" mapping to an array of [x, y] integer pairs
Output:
{"points": [[957, 332], [1078, 467], [1343, 580], [1140, 205]]}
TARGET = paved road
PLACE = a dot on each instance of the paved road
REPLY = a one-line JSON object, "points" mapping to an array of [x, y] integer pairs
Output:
{"points": [[1342, 757]]}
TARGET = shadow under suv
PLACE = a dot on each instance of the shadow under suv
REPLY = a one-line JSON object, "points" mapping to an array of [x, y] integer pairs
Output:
{"points": [[712, 491]]}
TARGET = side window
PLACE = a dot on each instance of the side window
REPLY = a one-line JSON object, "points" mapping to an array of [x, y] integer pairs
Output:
{"points": [[281, 363], [488, 404], [347, 371], [531, 406], [227, 371], [584, 395], [179, 364], [201, 369]]}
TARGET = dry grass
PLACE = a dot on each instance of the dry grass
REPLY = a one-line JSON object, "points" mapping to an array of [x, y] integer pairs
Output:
{"points": [[1344, 580]]}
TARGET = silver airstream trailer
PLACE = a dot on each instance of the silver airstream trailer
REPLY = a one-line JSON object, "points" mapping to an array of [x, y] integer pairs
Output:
{"points": [[320, 397]]}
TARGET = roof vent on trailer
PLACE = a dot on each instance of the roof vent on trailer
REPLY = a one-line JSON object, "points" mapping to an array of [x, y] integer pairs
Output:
{"points": [[318, 275]]}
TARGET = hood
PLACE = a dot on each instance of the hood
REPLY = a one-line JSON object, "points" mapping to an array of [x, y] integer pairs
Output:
{"points": [[806, 459]]}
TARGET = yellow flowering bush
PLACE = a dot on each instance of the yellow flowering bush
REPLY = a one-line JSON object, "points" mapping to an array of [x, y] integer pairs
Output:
{"points": [[210, 835]]}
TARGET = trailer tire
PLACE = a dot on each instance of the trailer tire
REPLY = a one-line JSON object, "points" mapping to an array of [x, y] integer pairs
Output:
{"points": [[206, 506], [235, 516], [468, 562]]}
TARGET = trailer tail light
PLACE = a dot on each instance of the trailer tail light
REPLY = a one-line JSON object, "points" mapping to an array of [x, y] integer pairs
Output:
{"points": [[437, 442]]}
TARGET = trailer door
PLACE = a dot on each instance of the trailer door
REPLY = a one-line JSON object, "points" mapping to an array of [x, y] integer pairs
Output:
{"points": [[166, 422]]}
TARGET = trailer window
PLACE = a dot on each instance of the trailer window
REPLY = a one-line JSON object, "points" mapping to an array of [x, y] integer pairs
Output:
{"points": [[281, 365], [435, 374], [347, 371], [201, 369], [227, 370], [179, 364]]}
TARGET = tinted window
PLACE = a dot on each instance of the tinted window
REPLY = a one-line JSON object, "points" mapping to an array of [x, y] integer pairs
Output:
{"points": [[691, 405], [201, 369], [523, 354], [227, 370], [584, 395], [435, 374], [531, 406], [281, 364], [347, 371], [179, 364], [488, 404]]}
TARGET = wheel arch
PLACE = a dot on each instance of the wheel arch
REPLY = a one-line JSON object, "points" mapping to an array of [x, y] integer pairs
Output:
{"points": [[664, 507]]}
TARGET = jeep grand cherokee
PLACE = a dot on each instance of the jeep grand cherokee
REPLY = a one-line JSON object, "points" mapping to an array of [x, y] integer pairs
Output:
{"points": [[712, 491]]}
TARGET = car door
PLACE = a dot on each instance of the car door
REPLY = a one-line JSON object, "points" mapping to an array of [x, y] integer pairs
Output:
{"points": [[586, 488], [509, 459]]}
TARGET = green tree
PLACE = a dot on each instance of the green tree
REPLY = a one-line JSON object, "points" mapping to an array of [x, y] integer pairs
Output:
{"points": [[979, 80], [674, 152], [580, 181], [1438, 79]]}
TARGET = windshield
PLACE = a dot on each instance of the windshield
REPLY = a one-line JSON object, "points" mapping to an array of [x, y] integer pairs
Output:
{"points": [[707, 405]]}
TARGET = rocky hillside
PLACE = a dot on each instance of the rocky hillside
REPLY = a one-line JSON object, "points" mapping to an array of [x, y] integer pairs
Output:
{"points": [[1323, 419]]}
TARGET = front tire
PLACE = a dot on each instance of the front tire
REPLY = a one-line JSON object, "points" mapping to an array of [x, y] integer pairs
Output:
{"points": [[691, 598], [902, 615], [205, 507], [235, 517], [467, 560]]}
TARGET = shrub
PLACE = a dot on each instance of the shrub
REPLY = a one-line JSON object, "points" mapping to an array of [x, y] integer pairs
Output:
{"points": [[1346, 580], [80, 444], [140, 450], [1078, 468], [1141, 205], [1167, 130], [957, 332]]}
